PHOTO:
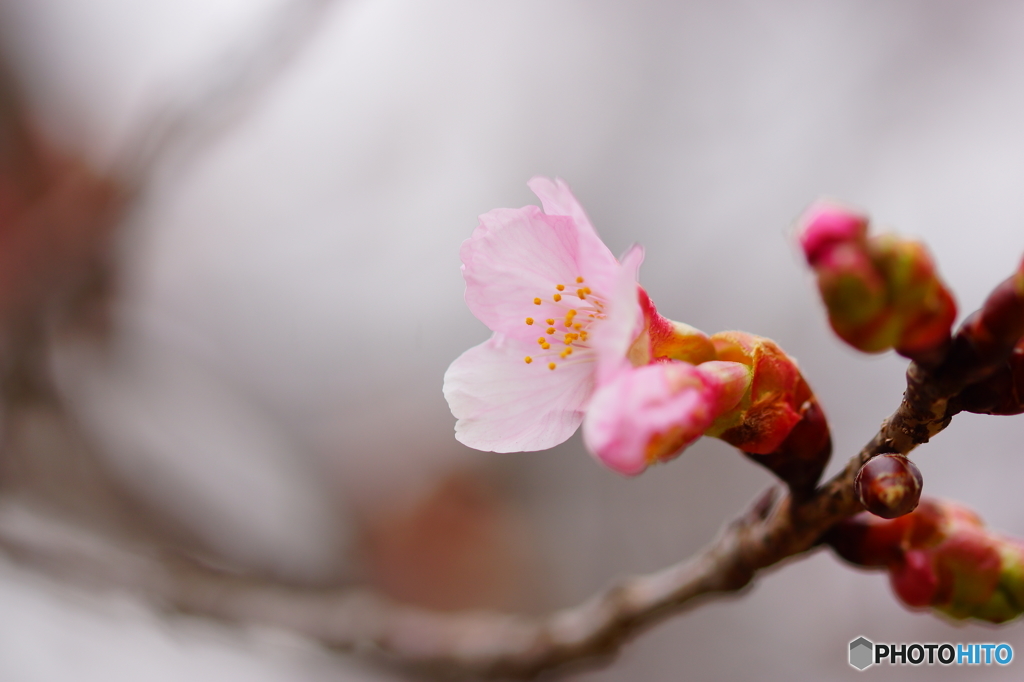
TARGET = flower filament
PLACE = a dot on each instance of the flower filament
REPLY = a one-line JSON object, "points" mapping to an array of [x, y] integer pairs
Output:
{"points": [[573, 338]]}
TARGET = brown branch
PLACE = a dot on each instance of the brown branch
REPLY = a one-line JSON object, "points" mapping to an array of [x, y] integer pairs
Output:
{"points": [[479, 643]]}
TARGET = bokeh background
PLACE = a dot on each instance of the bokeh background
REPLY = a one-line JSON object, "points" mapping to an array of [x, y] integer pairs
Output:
{"points": [[290, 298]]}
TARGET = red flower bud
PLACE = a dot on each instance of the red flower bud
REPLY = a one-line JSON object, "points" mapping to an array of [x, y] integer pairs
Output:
{"points": [[889, 486], [779, 423], [939, 555], [1002, 393], [993, 331], [913, 579]]}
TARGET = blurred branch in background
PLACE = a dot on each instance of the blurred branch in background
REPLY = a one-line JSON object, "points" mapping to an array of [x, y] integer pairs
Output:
{"points": [[64, 514], [473, 643]]}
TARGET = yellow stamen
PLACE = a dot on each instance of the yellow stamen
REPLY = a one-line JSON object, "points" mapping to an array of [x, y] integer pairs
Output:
{"points": [[579, 280], [557, 297], [529, 320], [545, 345], [551, 365], [582, 294], [549, 321], [551, 330], [586, 290], [566, 353], [577, 326], [560, 287], [536, 301], [528, 359], [541, 340], [583, 336]]}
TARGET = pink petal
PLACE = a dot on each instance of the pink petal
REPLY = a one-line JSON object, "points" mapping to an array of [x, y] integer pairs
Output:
{"points": [[504, 404], [624, 322], [557, 199], [517, 255]]}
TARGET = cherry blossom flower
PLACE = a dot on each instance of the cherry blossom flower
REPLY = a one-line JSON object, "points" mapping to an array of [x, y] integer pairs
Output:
{"points": [[563, 310], [573, 330]]}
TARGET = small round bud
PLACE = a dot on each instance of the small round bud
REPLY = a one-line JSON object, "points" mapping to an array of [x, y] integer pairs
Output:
{"points": [[889, 486]]}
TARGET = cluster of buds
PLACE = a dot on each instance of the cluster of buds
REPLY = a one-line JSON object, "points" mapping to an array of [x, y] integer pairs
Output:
{"points": [[939, 556], [732, 385], [881, 292]]}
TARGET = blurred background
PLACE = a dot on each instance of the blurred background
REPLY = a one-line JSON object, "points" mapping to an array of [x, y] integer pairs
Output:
{"points": [[254, 378]]}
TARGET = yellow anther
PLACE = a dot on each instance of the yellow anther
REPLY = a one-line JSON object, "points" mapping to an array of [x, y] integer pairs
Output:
{"points": [[529, 320], [545, 345], [541, 340], [568, 339], [557, 297], [551, 365], [560, 287], [586, 290], [571, 313], [536, 301], [579, 280], [577, 326], [582, 294], [551, 330], [549, 321], [566, 353], [583, 336], [528, 359]]}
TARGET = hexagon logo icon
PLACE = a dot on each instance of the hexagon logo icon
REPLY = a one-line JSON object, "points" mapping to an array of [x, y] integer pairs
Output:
{"points": [[860, 653]]}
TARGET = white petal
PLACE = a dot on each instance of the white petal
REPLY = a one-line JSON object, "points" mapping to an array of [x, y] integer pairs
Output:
{"points": [[504, 404]]}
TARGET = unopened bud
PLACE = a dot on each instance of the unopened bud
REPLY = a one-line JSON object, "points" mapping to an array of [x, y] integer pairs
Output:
{"points": [[940, 556], [988, 336], [1001, 393], [778, 423], [889, 486], [881, 292]]}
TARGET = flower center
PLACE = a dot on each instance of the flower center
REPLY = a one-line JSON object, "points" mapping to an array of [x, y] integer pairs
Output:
{"points": [[567, 317]]}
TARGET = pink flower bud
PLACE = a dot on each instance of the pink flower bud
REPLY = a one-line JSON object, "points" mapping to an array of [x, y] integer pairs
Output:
{"points": [[651, 413], [882, 292], [825, 225]]}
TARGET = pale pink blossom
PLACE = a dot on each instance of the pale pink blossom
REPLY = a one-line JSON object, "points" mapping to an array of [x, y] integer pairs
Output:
{"points": [[562, 308], [568, 319]]}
